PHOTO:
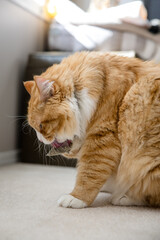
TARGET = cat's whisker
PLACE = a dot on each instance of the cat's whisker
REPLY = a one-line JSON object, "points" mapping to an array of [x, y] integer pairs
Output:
{"points": [[62, 160], [40, 147], [50, 158], [44, 157], [58, 160], [46, 151], [26, 126], [18, 117], [36, 144], [44, 154]]}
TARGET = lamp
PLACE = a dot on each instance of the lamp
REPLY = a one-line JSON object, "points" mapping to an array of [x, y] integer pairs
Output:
{"points": [[50, 8]]}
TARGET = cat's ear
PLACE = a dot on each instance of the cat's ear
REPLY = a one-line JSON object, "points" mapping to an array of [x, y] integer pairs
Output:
{"points": [[45, 87], [28, 86]]}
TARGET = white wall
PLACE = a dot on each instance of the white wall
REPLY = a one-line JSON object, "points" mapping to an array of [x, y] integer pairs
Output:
{"points": [[21, 33], [84, 4]]}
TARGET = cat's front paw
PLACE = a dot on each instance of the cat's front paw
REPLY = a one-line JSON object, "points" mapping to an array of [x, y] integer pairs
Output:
{"points": [[69, 201]]}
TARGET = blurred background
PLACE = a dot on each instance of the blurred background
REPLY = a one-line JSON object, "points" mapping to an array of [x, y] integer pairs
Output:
{"points": [[38, 33]]}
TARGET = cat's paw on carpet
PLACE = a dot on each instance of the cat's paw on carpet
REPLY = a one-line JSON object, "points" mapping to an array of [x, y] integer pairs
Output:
{"points": [[125, 201], [69, 201]]}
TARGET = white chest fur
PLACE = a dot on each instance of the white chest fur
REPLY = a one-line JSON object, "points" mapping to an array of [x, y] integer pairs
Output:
{"points": [[87, 106]]}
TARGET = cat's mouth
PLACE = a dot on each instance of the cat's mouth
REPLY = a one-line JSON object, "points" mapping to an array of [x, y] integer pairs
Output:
{"points": [[55, 144], [60, 147]]}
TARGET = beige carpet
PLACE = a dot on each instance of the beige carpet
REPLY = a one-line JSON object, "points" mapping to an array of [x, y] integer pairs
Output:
{"points": [[28, 209]]}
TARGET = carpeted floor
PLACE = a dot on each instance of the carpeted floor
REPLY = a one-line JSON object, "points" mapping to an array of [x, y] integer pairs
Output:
{"points": [[28, 209]]}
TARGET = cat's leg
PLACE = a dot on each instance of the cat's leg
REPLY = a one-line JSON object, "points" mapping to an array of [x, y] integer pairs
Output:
{"points": [[145, 191], [95, 166], [109, 185], [142, 190], [70, 201], [125, 201], [138, 176]]}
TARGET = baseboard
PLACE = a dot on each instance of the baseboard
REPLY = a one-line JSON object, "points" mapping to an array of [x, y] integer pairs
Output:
{"points": [[9, 157]]}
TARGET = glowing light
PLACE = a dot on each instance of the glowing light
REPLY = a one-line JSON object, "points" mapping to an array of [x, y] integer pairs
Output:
{"points": [[50, 8]]}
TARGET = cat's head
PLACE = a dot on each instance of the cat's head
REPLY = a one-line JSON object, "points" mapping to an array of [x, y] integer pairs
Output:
{"points": [[52, 110]]}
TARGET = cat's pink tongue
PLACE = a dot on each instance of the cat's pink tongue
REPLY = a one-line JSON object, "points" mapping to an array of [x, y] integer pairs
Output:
{"points": [[57, 144]]}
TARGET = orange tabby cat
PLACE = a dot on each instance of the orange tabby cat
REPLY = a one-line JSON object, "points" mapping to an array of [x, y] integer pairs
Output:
{"points": [[107, 110]]}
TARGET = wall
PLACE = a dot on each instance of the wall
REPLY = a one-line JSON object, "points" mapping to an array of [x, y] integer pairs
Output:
{"points": [[84, 4], [21, 33]]}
